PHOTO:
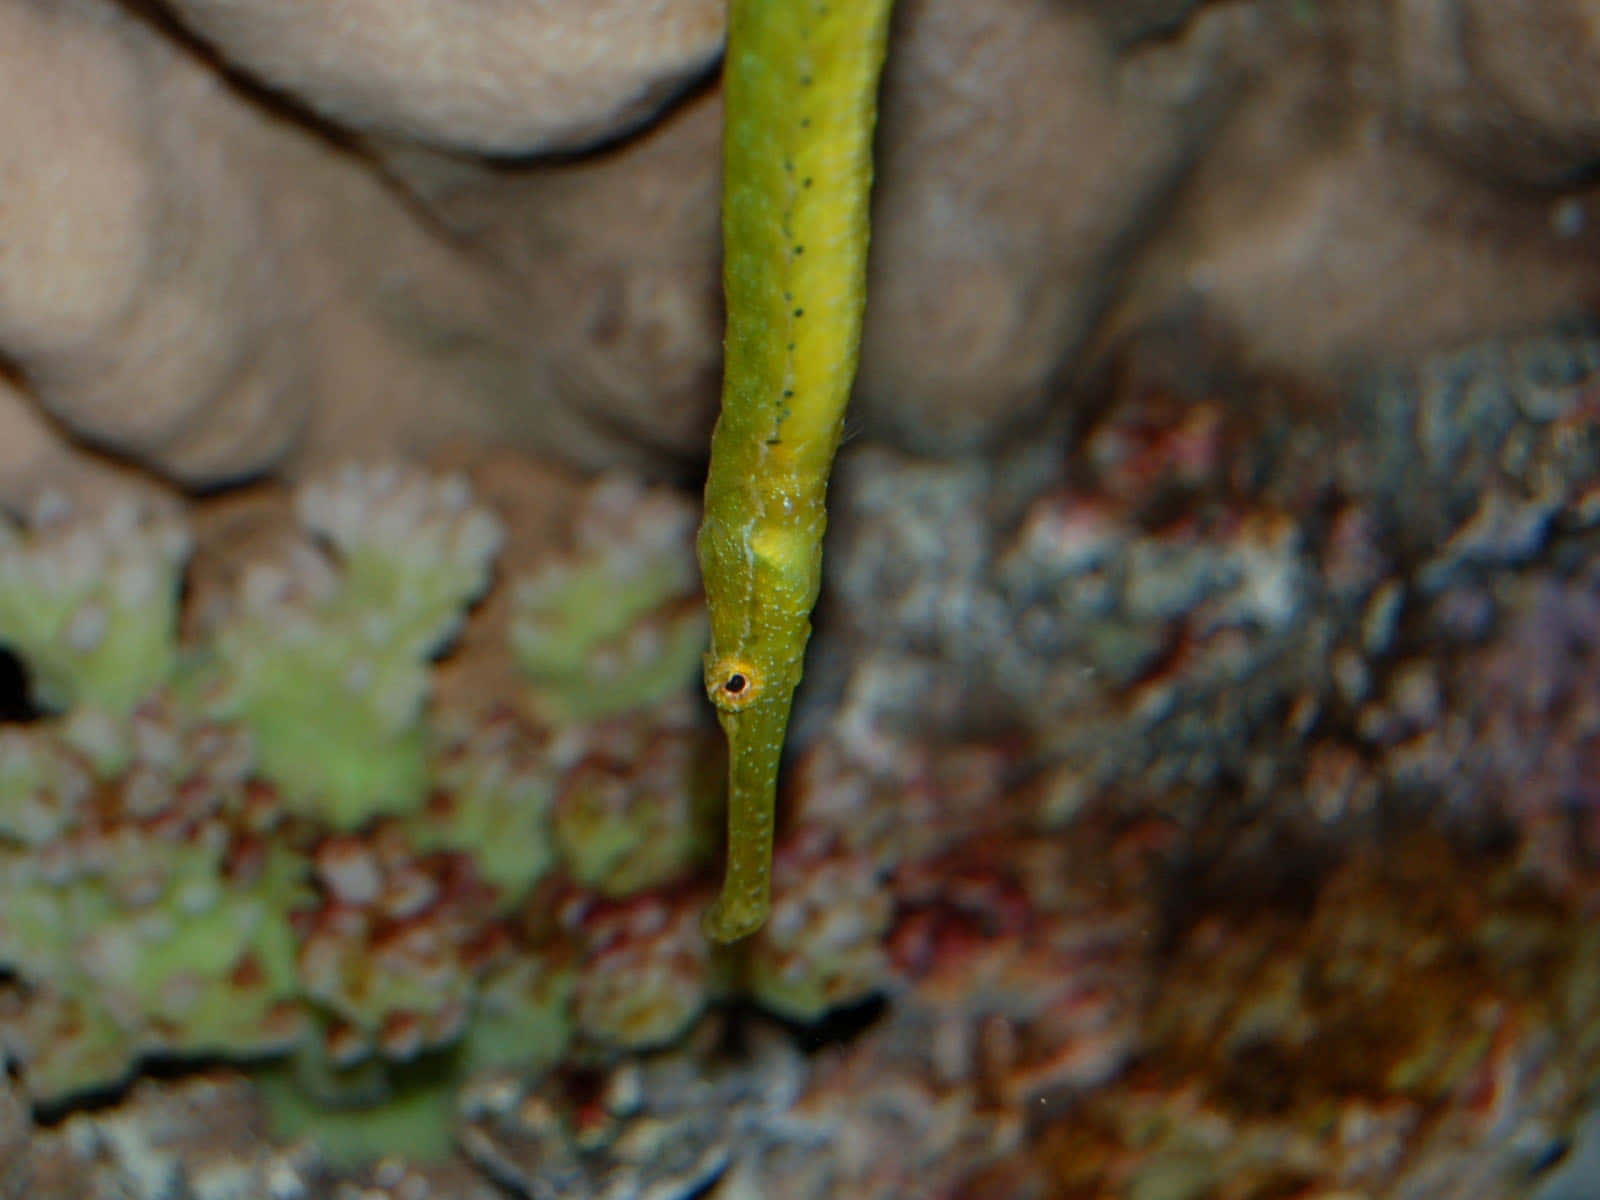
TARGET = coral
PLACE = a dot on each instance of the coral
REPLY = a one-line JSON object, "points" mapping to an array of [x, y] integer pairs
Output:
{"points": [[892, 797], [362, 1097], [635, 811], [1303, 639], [44, 785], [647, 970], [618, 623], [90, 601], [200, 1139], [15, 1135], [823, 947], [414, 550], [1206, 585], [393, 950], [326, 661], [155, 918], [523, 1022], [1026, 962], [203, 1139], [663, 1128], [493, 786], [863, 1124], [1413, 1036], [283, 851], [187, 877]]}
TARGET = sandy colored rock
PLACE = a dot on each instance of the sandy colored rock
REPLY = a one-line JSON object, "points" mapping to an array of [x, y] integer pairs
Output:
{"points": [[1136, 19], [609, 265], [135, 224], [1021, 158], [1424, 274], [490, 78], [214, 279], [1325, 228], [185, 278], [1511, 89]]}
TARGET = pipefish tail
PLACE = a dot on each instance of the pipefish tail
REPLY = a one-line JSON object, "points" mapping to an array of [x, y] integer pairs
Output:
{"points": [[800, 85]]}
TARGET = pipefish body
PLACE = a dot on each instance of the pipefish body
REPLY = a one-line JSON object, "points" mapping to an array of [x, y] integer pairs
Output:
{"points": [[800, 87]]}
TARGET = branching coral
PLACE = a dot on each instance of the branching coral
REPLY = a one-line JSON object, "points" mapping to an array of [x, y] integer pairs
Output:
{"points": [[326, 659], [824, 948], [493, 785], [89, 601], [154, 917], [262, 840], [635, 811], [267, 840], [619, 622], [649, 970]]}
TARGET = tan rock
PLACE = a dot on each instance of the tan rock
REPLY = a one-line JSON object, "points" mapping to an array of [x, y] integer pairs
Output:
{"points": [[1327, 227], [198, 276], [36, 458], [136, 285], [610, 309], [186, 279], [1022, 160], [1513, 90], [486, 77]]}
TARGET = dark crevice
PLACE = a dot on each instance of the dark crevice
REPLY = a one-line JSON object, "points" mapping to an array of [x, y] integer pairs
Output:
{"points": [[15, 705], [839, 1026]]}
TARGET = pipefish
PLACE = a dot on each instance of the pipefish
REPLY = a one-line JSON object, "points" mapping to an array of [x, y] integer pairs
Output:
{"points": [[800, 83]]}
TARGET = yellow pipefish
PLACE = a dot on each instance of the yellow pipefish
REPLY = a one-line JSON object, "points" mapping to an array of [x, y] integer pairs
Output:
{"points": [[800, 100]]}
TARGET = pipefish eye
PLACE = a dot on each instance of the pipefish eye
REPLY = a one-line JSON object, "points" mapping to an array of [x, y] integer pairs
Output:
{"points": [[733, 683]]}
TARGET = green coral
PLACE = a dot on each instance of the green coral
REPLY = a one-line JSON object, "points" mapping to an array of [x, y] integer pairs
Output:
{"points": [[634, 816], [824, 946], [491, 799], [264, 843], [153, 891], [326, 660], [410, 1116], [521, 1023], [89, 601], [523, 1020], [650, 974], [619, 623], [42, 787], [143, 923], [336, 726]]}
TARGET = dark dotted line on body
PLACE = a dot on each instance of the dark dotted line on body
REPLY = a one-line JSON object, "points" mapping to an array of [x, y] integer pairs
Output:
{"points": [[796, 249]]}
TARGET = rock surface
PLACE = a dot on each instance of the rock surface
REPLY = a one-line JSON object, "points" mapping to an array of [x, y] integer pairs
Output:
{"points": [[243, 237]]}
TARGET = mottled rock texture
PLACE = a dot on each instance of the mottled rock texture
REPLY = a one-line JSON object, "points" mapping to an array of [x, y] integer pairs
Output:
{"points": [[245, 236]]}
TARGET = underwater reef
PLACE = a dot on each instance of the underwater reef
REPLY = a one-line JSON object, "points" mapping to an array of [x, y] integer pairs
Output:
{"points": [[1199, 807]]}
